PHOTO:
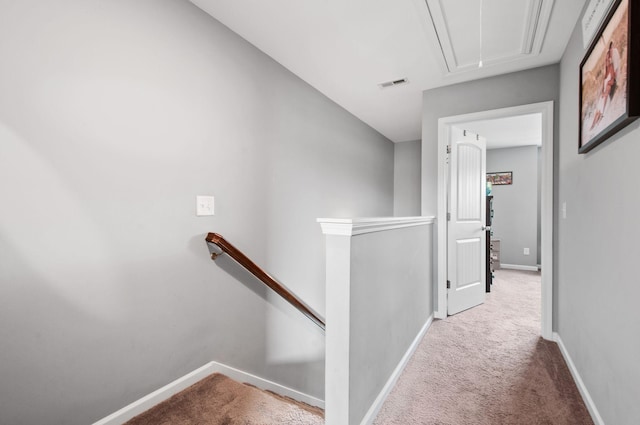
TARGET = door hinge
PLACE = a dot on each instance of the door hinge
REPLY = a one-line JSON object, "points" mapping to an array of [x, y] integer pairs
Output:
{"points": [[448, 148], [448, 284], [448, 216]]}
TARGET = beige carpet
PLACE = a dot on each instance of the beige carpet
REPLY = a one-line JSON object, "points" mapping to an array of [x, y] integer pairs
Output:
{"points": [[218, 400], [488, 365], [484, 366]]}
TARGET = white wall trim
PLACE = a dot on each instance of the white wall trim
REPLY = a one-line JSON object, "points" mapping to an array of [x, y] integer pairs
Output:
{"points": [[373, 411], [586, 397], [265, 384], [440, 309], [145, 403], [546, 201], [546, 221], [358, 226], [519, 267], [158, 396]]}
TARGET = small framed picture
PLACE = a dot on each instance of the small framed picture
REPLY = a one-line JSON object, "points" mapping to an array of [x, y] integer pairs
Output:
{"points": [[609, 80], [504, 177]]}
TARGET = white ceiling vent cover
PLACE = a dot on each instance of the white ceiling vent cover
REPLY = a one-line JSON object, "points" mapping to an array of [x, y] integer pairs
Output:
{"points": [[393, 83]]}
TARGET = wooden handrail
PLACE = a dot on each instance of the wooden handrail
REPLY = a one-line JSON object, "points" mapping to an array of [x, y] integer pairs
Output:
{"points": [[264, 277]]}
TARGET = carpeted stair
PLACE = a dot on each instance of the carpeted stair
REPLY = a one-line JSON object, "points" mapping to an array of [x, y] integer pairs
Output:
{"points": [[219, 400]]}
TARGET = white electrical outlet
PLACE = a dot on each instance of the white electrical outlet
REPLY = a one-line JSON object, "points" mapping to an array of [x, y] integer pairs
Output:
{"points": [[204, 205], [526, 251]]}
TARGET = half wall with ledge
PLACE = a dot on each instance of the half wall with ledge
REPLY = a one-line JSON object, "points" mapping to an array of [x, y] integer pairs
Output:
{"points": [[379, 304]]}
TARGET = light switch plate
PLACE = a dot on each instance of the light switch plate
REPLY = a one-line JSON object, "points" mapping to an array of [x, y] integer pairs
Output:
{"points": [[204, 205], [526, 251]]}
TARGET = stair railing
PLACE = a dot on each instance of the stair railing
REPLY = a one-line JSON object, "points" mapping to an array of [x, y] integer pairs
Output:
{"points": [[225, 247]]}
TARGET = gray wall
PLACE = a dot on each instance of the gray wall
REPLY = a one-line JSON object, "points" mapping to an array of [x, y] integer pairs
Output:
{"points": [[406, 178], [597, 283], [519, 88], [380, 301], [390, 303], [113, 117], [515, 206]]}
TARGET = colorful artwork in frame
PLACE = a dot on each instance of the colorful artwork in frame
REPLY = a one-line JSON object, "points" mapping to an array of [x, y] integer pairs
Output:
{"points": [[504, 177], [608, 77]]}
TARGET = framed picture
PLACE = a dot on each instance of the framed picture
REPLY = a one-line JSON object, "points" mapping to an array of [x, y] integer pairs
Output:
{"points": [[504, 177], [609, 79]]}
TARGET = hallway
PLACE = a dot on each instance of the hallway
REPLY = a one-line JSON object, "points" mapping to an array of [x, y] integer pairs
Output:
{"points": [[488, 365]]}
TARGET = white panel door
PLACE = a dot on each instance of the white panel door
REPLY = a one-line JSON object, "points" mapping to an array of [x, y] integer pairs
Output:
{"points": [[466, 233]]}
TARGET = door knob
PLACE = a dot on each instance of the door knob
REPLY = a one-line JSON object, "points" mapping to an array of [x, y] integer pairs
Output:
{"points": [[486, 228]]}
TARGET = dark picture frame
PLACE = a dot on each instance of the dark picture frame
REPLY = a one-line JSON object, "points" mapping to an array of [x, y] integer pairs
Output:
{"points": [[609, 77], [503, 177]]}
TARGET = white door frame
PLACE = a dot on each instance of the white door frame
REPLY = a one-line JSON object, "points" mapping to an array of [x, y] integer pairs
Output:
{"points": [[546, 200]]}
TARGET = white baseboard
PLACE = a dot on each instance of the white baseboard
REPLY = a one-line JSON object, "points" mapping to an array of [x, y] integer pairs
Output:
{"points": [[265, 384], [391, 382], [156, 397], [588, 401], [164, 393], [519, 267]]}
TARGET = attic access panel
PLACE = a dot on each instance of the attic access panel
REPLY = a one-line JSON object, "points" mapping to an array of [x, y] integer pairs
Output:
{"points": [[511, 30]]}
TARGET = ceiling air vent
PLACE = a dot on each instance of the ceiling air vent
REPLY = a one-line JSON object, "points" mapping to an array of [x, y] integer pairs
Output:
{"points": [[393, 83]]}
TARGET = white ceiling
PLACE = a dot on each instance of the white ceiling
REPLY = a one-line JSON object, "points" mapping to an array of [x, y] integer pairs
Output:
{"points": [[346, 48], [523, 130]]}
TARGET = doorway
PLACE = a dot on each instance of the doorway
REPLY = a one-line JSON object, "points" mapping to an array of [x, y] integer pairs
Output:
{"points": [[545, 109]]}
